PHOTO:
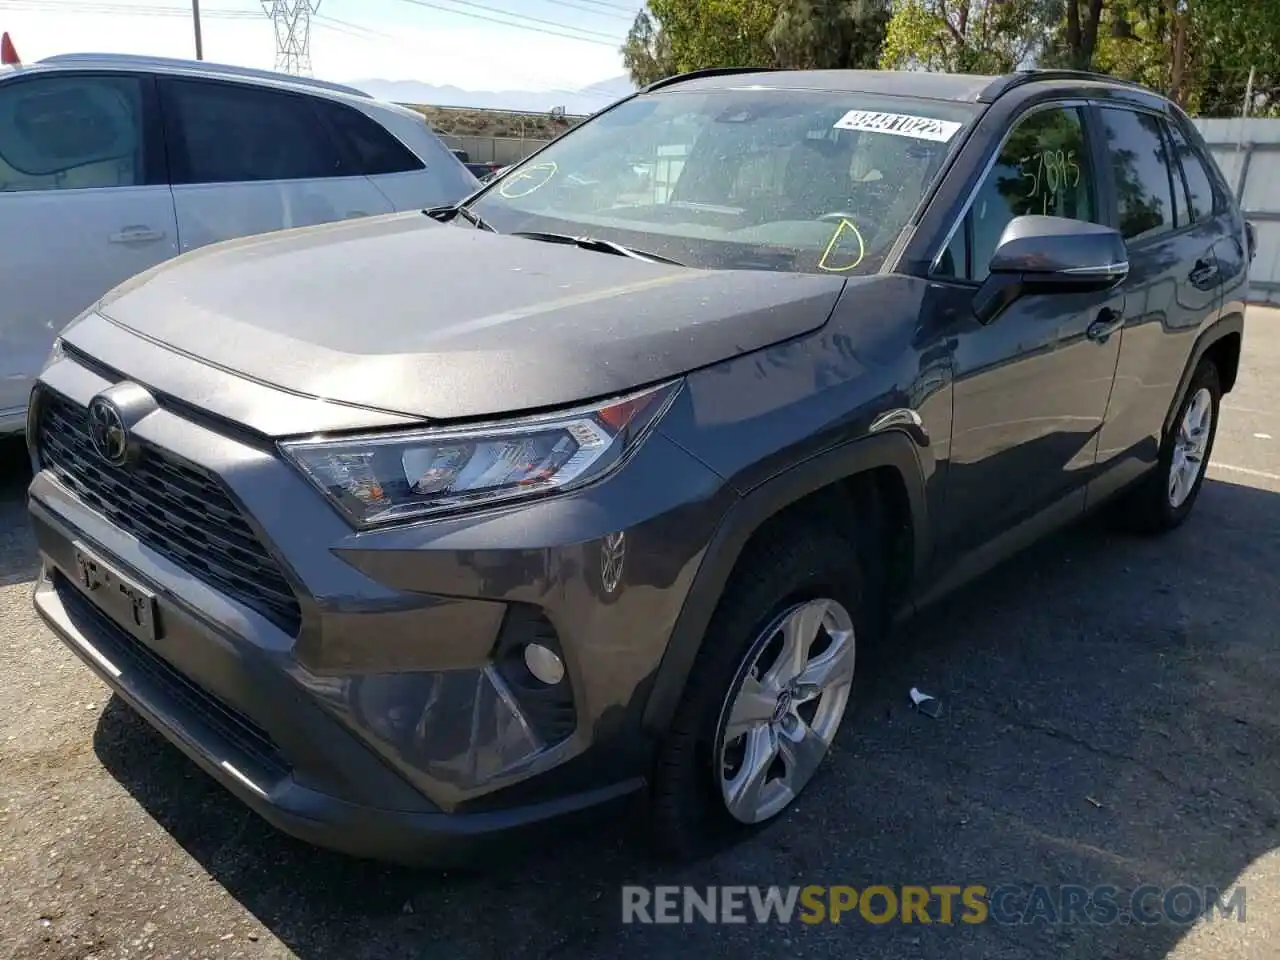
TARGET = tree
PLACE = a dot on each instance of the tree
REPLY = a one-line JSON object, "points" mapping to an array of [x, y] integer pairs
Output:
{"points": [[966, 36], [829, 34], [675, 36], [1197, 52], [715, 33], [647, 53], [1081, 34]]}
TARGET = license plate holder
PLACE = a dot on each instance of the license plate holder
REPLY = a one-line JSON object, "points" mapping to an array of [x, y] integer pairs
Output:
{"points": [[126, 602]]}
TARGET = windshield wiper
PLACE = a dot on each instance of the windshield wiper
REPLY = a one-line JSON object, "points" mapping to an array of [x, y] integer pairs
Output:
{"points": [[599, 244], [449, 211]]}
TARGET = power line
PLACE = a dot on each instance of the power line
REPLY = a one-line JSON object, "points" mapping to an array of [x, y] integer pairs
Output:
{"points": [[291, 20], [630, 11], [142, 10], [347, 28], [515, 26], [601, 10]]}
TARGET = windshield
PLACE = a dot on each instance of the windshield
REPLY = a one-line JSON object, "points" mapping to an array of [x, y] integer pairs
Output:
{"points": [[738, 179]]}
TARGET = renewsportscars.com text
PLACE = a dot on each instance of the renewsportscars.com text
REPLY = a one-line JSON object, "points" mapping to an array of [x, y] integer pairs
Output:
{"points": [[938, 903]]}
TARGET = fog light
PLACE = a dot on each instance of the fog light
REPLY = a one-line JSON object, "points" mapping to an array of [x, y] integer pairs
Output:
{"points": [[544, 664]]}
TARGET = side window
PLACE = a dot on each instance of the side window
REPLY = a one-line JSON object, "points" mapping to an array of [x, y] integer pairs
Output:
{"points": [[1043, 168], [1143, 174], [71, 133], [227, 133], [1199, 184], [374, 149]]}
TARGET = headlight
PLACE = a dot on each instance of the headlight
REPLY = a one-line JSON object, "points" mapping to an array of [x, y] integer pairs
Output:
{"points": [[388, 477], [56, 353]]}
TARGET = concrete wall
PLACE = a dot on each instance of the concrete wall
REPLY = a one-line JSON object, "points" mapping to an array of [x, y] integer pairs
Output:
{"points": [[503, 150], [1248, 152]]}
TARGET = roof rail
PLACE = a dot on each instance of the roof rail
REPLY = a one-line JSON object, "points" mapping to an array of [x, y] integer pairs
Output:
{"points": [[203, 66], [1002, 85], [708, 72]]}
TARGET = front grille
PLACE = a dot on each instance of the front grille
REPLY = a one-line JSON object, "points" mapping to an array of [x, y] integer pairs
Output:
{"points": [[176, 510]]}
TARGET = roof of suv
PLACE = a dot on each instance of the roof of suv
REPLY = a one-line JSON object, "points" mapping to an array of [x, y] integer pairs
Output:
{"points": [[961, 87], [202, 68]]}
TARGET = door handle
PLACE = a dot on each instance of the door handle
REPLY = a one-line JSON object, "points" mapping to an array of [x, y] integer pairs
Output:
{"points": [[136, 235], [1108, 322]]}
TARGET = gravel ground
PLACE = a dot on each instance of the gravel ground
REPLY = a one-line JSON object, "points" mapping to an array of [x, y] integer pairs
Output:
{"points": [[1108, 719]]}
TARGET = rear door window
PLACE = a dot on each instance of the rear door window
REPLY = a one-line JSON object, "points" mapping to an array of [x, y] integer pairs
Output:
{"points": [[72, 132], [232, 133], [1142, 171]]}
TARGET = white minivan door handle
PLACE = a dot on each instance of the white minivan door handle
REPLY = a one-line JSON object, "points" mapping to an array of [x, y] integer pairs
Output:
{"points": [[138, 234]]}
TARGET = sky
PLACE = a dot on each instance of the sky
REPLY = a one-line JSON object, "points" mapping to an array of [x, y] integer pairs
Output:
{"points": [[472, 44]]}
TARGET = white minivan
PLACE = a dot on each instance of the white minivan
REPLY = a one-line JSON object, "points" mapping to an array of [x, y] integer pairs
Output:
{"points": [[111, 164]]}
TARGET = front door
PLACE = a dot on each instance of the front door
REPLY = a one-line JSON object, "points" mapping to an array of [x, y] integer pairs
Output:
{"points": [[84, 205], [1032, 386]]}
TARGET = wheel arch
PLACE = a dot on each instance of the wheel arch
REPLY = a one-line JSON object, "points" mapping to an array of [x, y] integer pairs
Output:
{"points": [[867, 469], [1221, 342]]}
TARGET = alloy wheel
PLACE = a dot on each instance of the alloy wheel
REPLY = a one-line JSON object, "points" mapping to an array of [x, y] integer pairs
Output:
{"points": [[1189, 446], [779, 722]]}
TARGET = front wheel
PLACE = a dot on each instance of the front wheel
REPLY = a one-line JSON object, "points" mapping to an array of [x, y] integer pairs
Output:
{"points": [[773, 680]]}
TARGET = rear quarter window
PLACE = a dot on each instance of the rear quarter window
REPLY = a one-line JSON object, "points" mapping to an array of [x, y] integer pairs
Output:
{"points": [[373, 149], [1201, 197]]}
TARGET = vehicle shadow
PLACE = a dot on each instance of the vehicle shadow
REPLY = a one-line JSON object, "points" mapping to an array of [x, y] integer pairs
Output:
{"points": [[1107, 719], [18, 561]]}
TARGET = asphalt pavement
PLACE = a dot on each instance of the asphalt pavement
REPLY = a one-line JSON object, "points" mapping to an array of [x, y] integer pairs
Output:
{"points": [[1109, 717]]}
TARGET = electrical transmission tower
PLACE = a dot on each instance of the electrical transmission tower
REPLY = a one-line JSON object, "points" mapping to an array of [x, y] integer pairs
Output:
{"points": [[292, 22]]}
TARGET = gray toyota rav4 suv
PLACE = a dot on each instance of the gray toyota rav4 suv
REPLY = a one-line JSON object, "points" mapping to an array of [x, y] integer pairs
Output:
{"points": [[426, 530]]}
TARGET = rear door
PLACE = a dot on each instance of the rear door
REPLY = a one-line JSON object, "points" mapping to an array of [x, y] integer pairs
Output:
{"points": [[247, 159], [1174, 285], [84, 205]]}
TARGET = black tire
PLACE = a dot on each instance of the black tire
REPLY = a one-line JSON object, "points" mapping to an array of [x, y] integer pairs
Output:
{"points": [[688, 816], [1147, 509]]}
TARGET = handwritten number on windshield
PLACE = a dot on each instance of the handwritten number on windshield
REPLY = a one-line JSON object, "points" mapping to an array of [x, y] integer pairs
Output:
{"points": [[1050, 171]]}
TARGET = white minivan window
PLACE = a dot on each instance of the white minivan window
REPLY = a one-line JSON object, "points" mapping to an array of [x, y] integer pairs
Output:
{"points": [[71, 132], [228, 133]]}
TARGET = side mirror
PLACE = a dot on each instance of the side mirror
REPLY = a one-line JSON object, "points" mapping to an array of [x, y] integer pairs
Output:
{"points": [[1050, 255]]}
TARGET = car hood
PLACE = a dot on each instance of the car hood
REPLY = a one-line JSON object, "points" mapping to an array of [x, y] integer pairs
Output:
{"points": [[407, 316]]}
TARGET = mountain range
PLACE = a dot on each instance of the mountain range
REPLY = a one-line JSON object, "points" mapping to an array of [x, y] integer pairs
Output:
{"points": [[575, 102]]}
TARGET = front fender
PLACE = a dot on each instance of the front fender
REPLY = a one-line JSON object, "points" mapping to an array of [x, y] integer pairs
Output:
{"points": [[894, 448]]}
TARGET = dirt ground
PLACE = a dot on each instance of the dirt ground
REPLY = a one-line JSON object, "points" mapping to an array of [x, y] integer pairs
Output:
{"points": [[1110, 717], [461, 122]]}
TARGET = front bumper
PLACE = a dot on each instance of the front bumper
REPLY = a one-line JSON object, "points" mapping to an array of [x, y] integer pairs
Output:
{"points": [[385, 726], [181, 713]]}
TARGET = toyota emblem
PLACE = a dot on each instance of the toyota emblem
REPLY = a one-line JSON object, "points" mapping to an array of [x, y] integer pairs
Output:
{"points": [[107, 432]]}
